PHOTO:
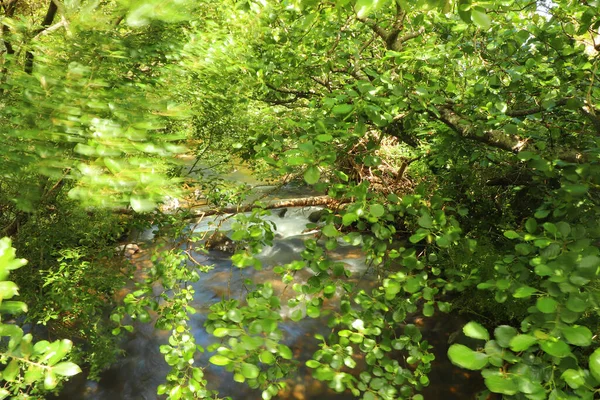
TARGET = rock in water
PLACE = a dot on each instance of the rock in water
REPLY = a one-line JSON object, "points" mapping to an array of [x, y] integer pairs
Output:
{"points": [[219, 241], [316, 216]]}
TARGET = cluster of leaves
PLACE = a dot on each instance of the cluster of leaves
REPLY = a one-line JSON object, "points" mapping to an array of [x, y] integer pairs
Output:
{"points": [[493, 104], [31, 368], [498, 103]]}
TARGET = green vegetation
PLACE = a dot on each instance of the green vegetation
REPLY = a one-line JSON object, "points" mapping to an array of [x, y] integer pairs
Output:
{"points": [[458, 142]]}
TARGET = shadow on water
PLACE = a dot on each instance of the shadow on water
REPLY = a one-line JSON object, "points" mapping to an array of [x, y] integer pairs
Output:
{"points": [[139, 373]]}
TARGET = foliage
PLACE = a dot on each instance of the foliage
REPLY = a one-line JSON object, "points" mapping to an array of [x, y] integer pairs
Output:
{"points": [[461, 137], [31, 368]]}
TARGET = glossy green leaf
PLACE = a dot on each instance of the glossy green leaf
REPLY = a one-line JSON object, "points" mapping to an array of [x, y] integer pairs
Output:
{"points": [[547, 305], [574, 378], [312, 175], [220, 360], [524, 292], [522, 342], [249, 371], [577, 335], [342, 109], [330, 231], [504, 335], [464, 357], [555, 348], [66, 368], [594, 363], [377, 210], [11, 371], [476, 331], [501, 384], [480, 18]]}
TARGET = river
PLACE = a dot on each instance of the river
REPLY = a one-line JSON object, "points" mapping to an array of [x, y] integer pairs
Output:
{"points": [[142, 369]]}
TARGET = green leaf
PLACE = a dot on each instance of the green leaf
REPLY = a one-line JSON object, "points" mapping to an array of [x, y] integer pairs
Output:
{"points": [[50, 380], [365, 7], [504, 335], [284, 351], [330, 231], [524, 292], [58, 350], [501, 384], [141, 204], [577, 302], [512, 235], [312, 175], [342, 109], [418, 236], [234, 315], [425, 220], [574, 379], [522, 342], [577, 335], [249, 371], [428, 309], [377, 210], [556, 348], [13, 307], [34, 373], [541, 214], [220, 360], [349, 218], [266, 357], [547, 305], [464, 357], [531, 225], [221, 332], [594, 363], [66, 368], [11, 371], [480, 18], [324, 137], [476, 331], [8, 290]]}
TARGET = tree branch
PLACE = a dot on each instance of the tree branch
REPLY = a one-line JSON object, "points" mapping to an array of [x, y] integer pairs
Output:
{"points": [[533, 110], [594, 119], [297, 93], [381, 32], [9, 11], [397, 44], [50, 14], [492, 138]]}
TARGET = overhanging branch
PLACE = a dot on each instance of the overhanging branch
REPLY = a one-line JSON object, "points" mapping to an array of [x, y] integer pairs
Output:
{"points": [[493, 138], [533, 110]]}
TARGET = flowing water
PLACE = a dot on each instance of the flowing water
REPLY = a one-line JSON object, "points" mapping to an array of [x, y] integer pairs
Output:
{"points": [[137, 375]]}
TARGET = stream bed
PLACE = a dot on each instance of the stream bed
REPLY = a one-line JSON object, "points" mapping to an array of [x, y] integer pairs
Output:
{"points": [[137, 375]]}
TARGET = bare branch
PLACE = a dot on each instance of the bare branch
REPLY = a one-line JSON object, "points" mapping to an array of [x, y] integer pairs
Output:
{"points": [[50, 29]]}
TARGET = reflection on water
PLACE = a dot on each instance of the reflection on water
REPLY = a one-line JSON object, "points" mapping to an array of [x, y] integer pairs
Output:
{"points": [[139, 373]]}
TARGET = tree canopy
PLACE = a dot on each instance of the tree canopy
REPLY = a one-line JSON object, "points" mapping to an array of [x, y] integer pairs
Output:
{"points": [[456, 141]]}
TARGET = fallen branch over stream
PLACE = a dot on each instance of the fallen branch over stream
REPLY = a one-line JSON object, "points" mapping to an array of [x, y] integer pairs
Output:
{"points": [[297, 202]]}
